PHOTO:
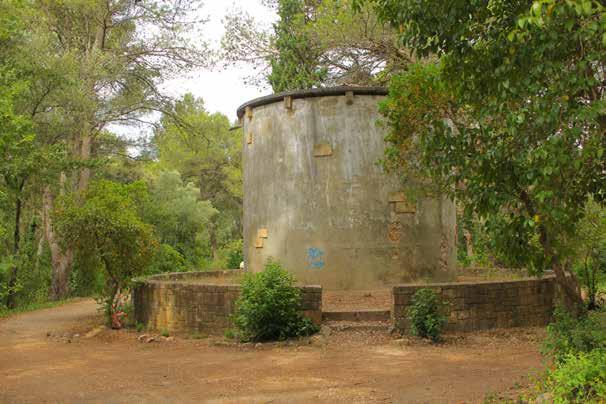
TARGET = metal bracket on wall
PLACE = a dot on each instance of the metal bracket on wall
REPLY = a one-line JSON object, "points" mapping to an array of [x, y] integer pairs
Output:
{"points": [[261, 234], [405, 207], [349, 97], [322, 150], [249, 113], [288, 102], [401, 203], [397, 197], [249, 138]]}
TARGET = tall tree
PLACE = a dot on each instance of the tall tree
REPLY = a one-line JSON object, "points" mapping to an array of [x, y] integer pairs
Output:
{"points": [[22, 156], [181, 219], [98, 63], [512, 118], [106, 227], [314, 44], [296, 64], [205, 151]]}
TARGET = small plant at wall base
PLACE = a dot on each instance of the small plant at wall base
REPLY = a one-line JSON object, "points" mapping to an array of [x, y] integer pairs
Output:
{"points": [[269, 307], [568, 335], [426, 315], [579, 378]]}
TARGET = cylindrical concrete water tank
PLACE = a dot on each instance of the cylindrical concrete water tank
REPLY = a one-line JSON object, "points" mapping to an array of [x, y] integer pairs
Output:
{"points": [[317, 201]]}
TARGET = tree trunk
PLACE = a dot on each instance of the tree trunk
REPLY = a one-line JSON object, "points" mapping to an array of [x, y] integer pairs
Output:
{"points": [[61, 260], [569, 285], [468, 243], [214, 249], [567, 281], [85, 151], [12, 280]]}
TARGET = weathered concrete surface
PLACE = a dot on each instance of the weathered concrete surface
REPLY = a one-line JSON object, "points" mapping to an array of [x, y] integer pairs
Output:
{"points": [[316, 199]]}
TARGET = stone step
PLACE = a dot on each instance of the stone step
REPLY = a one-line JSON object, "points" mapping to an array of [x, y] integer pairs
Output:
{"points": [[361, 315]]}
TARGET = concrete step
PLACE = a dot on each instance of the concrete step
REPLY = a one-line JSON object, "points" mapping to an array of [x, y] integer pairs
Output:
{"points": [[346, 326], [361, 315]]}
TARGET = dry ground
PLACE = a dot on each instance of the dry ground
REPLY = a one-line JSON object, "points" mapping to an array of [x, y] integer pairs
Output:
{"points": [[39, 364]]}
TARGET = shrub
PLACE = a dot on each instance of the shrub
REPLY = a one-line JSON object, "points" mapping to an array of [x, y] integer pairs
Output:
{"points": [[234, 254], [166, 259], [269, 307], [426, 315], [579, 378], [567, 335], [590, 248]]}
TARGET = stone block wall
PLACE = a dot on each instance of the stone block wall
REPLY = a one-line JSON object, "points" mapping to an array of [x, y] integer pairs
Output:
{"points": [[175, 303], [485, 305]]}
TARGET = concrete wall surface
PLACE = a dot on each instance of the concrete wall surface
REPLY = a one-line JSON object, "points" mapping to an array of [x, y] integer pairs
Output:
{"points": [[316, 199], [485, 305]]}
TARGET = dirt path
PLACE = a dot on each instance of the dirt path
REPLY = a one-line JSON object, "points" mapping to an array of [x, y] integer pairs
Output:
{"points": [[348, 366]]}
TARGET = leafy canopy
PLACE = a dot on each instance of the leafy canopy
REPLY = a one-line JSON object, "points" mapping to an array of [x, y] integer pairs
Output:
{"points": [[104, 224], [511, 120], [179, 217]]}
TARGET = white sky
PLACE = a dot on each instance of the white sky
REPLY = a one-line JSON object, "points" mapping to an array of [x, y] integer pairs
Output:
{"points": [[222, 91]]}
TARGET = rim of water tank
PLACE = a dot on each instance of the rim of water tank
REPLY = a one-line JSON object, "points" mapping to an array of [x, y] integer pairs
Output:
{"points": [[312, 92]]}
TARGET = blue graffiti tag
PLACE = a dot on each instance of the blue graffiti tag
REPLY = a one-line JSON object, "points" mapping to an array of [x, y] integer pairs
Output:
{"points": [[315, 258]]}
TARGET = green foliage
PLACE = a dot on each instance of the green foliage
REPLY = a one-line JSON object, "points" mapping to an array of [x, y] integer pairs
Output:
{"points": [[269, 307], [235, 255], [207, 154], [426, 315], [140, 327], [166, 259], [296, 65], [69, 70], [165, 333], [511, 120], [87, 278], [579, 378], [103, 224], [230, 256], [181, 220], [567, 335], [589, 247], [314, 44]]}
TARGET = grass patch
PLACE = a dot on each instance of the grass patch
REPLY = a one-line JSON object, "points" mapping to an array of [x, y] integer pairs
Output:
{"points": [[4, 312]]}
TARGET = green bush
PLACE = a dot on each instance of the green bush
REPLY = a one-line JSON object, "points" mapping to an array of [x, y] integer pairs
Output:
{"points": [[426, 315], [166, 259], [579, 378], [567, 335], [269, 307], [235, 256]]}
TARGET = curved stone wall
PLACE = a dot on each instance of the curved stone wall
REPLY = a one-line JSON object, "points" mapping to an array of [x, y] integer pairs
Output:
{"points": [[183, 303], [485, 305]]}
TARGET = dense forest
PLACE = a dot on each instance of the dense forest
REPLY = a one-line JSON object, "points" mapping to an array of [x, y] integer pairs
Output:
{"points": [[500, 103], [80, 205]]}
